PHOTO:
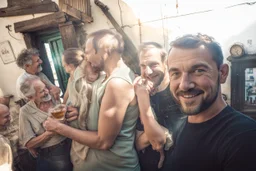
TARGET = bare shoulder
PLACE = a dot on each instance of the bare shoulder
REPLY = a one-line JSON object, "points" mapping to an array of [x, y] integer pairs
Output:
{"points": [[120, 89], [119, 84]]}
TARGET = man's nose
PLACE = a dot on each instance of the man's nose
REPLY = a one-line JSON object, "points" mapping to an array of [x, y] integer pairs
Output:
{"points": [[46, 90], [186, 82], [148, 70], [40, 61]]}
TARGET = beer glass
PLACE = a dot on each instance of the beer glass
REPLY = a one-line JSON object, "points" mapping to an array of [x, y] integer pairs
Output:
{"points": [[59, 111]]}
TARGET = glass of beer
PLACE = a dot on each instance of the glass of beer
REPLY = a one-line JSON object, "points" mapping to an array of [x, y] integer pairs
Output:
{"points": [[59, 111]]}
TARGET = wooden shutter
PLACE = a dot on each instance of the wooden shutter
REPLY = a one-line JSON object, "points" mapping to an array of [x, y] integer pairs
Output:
{"points": [[79, 9]]}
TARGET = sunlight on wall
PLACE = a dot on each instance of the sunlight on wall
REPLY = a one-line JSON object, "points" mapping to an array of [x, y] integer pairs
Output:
{"points": [[218, 22], [227, 25]]}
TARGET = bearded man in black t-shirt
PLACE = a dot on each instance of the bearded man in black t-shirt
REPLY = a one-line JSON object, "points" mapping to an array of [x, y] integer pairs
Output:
{"points": [[154, 92], [214, 136]]}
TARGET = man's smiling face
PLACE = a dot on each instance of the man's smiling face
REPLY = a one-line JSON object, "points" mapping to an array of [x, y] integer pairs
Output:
{"points": [[194, 79]]}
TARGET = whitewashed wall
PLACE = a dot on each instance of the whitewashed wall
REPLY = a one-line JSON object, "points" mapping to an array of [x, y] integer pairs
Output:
{"points": [[228, 26]]}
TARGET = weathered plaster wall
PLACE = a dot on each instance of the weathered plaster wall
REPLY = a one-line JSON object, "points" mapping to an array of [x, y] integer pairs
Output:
{"points": [[226, 25], [10, 72]]}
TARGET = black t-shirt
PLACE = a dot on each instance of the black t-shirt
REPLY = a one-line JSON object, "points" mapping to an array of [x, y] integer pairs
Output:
{"points": [[226, 142], [167, 114]]}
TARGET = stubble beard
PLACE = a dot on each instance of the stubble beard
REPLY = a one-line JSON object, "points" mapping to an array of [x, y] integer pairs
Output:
{"points": [[100, 67], [159, 80], [204, 105]]}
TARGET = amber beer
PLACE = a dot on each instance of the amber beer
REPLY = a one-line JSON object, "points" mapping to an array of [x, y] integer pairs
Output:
{"points": [[58, 112]]}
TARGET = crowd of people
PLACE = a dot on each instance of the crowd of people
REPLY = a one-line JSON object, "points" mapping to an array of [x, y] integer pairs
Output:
{"points": [[171, 117]]}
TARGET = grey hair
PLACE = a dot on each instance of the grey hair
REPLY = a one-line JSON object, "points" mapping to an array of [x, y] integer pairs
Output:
{"points": [[25, 57], [27, 88]]}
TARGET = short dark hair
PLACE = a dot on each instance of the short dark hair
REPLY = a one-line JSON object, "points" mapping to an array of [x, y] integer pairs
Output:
{"points": [[115, 42], [148, 45], [25, 57], [191, 41], [73, 56]]}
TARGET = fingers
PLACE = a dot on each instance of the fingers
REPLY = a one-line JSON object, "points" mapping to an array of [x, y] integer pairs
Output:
{"points": [[157, 146], [72, 118], [55, 92], [72, 113], [47, 124], [161, 160], [136, 80], [142, 85]]}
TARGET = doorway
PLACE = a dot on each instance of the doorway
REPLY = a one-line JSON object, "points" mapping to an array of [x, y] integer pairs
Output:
{"points": [[243, 84], [51, 49]]}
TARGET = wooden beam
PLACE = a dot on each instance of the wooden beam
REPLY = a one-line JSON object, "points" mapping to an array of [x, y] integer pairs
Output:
{"points": [[29, 40], [76, 13], [68, 35], [40, 23], [34, 8], [130, 51]]}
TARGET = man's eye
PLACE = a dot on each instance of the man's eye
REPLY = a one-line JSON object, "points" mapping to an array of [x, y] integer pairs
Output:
{"points": [[199, 71], [174, 74], [143, 66], [153, 65]]}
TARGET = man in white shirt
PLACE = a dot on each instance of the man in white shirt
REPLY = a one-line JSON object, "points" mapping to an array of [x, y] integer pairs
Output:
{"points": [[30, 61]]}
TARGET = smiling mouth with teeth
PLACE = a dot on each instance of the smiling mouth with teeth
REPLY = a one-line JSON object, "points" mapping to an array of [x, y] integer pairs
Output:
{"points": [[190, 94]]}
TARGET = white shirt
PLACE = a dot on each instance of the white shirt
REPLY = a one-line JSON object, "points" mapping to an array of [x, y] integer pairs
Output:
{"points": [[24, 76]]}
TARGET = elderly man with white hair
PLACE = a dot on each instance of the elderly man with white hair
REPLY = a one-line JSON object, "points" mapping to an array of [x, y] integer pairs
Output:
{"points": [[30, 61], [53, 149]]}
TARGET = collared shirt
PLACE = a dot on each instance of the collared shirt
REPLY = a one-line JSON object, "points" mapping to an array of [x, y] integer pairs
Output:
{"points": [[31, 125], [24, 76]]}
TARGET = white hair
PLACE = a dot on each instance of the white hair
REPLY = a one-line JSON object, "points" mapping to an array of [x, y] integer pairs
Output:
{"points": [[27, 88]]}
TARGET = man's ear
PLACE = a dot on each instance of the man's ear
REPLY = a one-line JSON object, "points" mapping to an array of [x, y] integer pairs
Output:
{"points": [[30, 97], [224, 70], [26, 66]]}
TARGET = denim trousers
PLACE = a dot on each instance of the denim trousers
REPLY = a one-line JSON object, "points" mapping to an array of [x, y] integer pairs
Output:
{"points": [[56, 159]]}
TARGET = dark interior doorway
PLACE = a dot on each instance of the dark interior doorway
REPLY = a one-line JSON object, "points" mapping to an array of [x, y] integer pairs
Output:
{"points": [[51, 49]]}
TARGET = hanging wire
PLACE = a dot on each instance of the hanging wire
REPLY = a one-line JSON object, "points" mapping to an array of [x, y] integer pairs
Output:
{"points": [[193, 13], [9, 32], [120, 12]]}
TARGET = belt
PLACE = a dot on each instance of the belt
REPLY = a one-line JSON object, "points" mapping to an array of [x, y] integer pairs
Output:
{"points": [[46, 150]]}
